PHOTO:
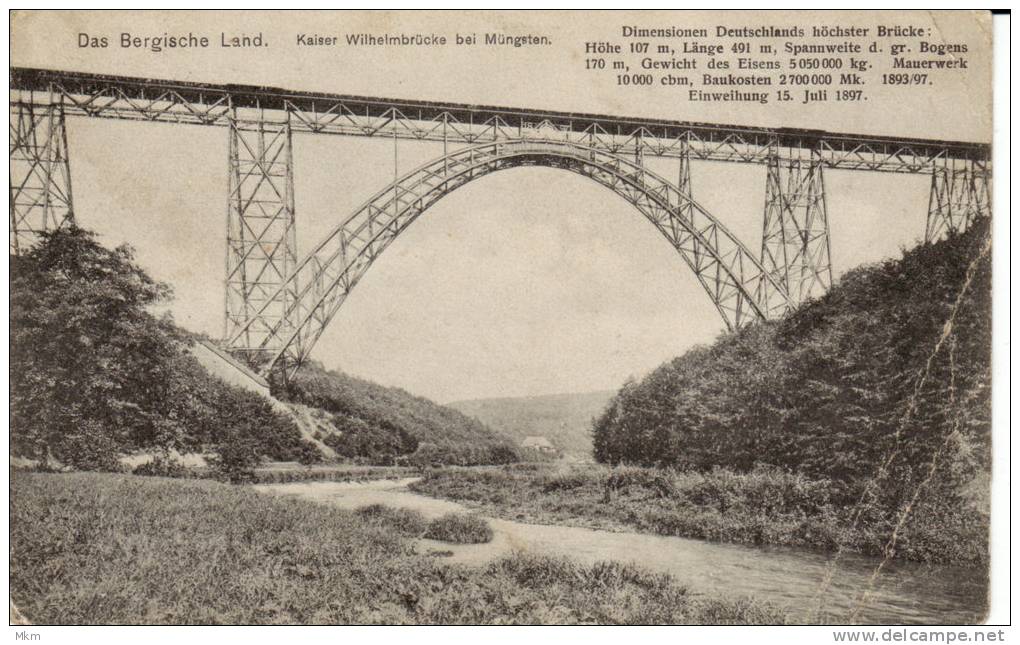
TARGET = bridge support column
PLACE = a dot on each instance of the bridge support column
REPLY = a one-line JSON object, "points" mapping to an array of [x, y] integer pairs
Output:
{"points": [[685, 212], [959, 194], [683, 184], [40, 177], [684, 176], [795, 233], [261, 237]]}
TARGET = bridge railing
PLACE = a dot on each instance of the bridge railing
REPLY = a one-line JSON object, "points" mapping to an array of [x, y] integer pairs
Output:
{"points": [[251, 107]]}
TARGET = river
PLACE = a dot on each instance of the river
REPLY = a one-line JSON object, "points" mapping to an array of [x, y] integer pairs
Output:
{"points": [[904, 593]]}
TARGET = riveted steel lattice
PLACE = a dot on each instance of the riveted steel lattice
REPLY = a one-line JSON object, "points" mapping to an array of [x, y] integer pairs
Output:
{"points": [[685, 189], [261, 240], [40, 177], [683, 183], [733, 277], [959, 193], [170, 101], [795, 232]]}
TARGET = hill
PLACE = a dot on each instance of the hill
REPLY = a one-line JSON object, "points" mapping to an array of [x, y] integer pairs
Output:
{"points": [[881, 386], [564, 419], [96, 376], [361, 419]]}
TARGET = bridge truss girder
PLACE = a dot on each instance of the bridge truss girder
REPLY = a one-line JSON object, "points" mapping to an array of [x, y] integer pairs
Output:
{"points": [[795, 232], [261, 234], [40, 174], [734, 279], [959, 194], [219, 105]]}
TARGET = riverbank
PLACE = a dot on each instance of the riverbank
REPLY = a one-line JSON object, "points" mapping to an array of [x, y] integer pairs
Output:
{"points": [[757, 508], [103, 548], [811, 585]]}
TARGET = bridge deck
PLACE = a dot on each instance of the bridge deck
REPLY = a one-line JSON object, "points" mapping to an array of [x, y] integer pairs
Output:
{"points": [[217, 104]]}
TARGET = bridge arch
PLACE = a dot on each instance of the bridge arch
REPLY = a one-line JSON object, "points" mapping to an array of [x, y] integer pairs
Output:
{"points": [[739, 287]]}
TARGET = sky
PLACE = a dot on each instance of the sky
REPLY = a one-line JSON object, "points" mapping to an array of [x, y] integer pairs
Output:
{"points": [[528, 281]]}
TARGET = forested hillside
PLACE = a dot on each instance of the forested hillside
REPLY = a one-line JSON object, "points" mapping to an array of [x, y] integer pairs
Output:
{"points": [[564, 419], [95, 375], [381, 423], [882, 384]]}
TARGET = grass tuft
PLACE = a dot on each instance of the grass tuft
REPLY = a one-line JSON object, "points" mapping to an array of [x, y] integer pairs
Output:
{"points": [[405, 521], [459, 528]]}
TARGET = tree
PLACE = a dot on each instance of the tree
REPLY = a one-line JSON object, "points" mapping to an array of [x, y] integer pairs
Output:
{"points": [[95, 374], [90, 364]]}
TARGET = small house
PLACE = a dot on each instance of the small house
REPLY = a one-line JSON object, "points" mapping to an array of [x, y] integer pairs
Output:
{"points": [[540, 444]]}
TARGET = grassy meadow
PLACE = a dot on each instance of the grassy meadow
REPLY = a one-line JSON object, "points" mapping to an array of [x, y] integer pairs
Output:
{"points": [[120, 549], [762, 507]]}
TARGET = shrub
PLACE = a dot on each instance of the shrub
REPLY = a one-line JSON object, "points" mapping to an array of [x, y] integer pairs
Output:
{"points": [[160, 466], [308, 454], [565, 481], [502, 454], [525, 467], [405, 521], [235, 459], [86, 446], [427, 454], [459, 528]]}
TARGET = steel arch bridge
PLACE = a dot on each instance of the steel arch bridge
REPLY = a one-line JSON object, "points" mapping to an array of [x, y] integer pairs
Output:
{"points": [[730, 273], [277, 305]]}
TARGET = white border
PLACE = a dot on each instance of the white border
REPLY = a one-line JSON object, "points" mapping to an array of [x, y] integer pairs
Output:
{"points": [[1002, 539]]}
